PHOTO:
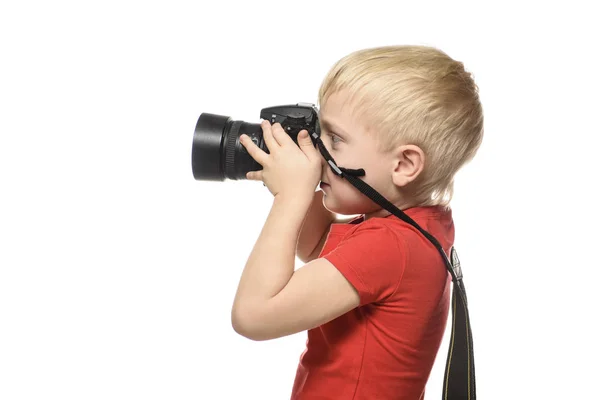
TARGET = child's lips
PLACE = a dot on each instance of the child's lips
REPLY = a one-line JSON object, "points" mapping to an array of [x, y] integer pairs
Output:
{"points": [[323, 185]]}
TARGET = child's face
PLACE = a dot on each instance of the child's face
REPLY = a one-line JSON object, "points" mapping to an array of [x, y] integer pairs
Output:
{"points": [[350, 146]]}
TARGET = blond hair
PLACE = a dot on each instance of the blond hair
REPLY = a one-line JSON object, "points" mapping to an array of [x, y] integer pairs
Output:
{"points": [[414, 95]]}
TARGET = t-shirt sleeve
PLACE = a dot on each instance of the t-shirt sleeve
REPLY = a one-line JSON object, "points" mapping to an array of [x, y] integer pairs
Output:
{"points": [[372, 259]]}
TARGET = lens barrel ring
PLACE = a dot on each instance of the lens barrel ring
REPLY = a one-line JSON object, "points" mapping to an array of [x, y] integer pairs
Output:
{"points": [[232, 138]]}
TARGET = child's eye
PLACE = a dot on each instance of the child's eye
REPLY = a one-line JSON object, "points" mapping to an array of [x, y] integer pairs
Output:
{"points": [[335, 138]]}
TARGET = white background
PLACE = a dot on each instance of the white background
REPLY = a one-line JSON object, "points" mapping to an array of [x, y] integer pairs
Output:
{"points": [[118, 269]]}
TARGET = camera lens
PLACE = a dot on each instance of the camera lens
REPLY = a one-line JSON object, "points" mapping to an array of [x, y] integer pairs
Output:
{"points": [[217, 153]]}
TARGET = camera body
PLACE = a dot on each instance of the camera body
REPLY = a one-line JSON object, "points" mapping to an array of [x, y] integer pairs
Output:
{"points": [[217, 153], [294, 118]]}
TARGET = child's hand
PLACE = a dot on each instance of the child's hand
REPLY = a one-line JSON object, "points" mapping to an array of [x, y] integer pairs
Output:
{"points": [[290, 170]]}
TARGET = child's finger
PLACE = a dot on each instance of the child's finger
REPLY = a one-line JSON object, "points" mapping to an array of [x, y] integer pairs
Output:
{"points": [[281, 136], [268, 136], [255, 152], [254, 176], [307, 146]]}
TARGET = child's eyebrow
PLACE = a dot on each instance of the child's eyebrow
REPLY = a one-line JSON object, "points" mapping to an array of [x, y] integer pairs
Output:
{"points": [[329, 125]]}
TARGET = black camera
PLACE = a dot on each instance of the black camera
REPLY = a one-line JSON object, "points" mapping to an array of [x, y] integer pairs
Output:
{"points": [[217, 153]]}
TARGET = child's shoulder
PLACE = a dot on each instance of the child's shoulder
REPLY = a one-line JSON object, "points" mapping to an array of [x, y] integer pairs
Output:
{"points": [[390, 234], [374, 233], [424, 216]]}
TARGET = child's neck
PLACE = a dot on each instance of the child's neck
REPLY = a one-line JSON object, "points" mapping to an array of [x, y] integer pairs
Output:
{"points": [[382, 212]]}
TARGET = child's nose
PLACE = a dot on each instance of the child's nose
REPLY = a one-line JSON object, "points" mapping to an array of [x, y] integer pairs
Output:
{"points": [[324, 163]]}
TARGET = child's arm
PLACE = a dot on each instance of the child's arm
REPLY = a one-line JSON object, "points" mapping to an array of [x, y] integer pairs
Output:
{"points": [[315, 229], [272, 300]]}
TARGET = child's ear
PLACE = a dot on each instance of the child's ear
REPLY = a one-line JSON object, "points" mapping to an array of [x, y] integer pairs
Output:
{"points": [[409, 161]]}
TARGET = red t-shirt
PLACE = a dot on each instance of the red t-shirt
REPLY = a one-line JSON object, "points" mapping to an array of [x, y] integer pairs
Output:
{"points": [[386, 347]]}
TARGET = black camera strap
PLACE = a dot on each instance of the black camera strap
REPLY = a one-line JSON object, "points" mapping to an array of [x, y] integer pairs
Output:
{"points": [[459, 375]]}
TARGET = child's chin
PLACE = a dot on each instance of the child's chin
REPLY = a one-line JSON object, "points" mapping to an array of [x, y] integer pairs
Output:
{"points": [[330, 204], [337, 208]]}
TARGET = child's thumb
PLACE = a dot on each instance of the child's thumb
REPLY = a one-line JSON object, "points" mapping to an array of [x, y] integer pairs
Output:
{"points": [[305, 143], [304, 139]]}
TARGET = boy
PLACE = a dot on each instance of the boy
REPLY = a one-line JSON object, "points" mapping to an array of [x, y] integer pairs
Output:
{"points": [[374, 293]]}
